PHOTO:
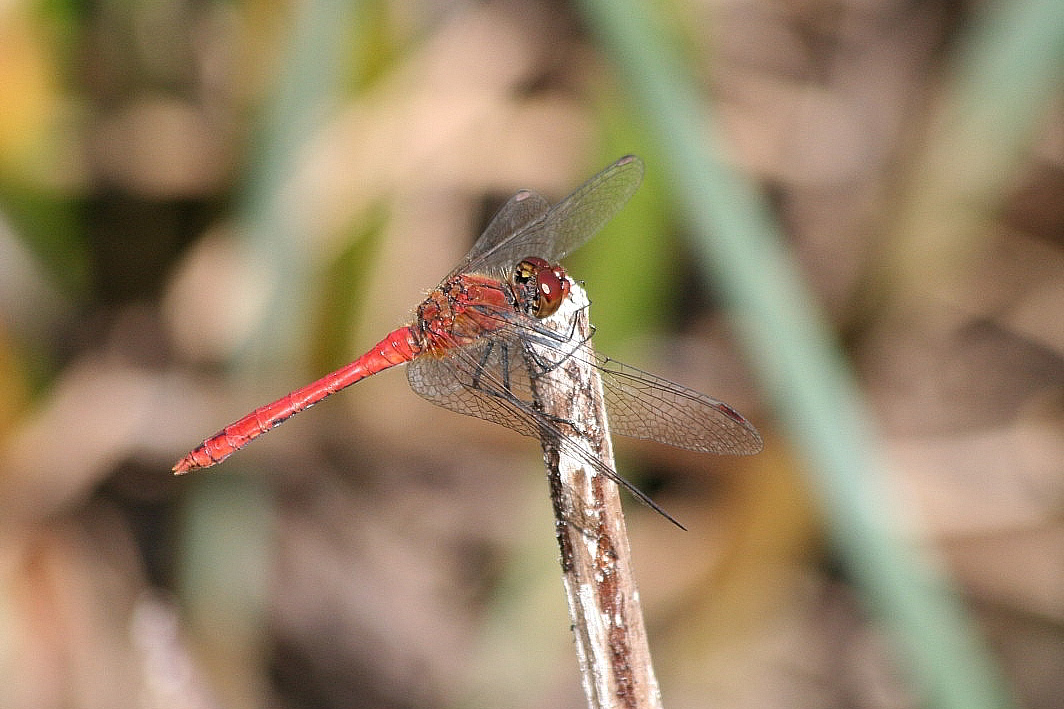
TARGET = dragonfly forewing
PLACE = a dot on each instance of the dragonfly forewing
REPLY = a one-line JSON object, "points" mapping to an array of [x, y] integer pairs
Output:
{"points": [[564, 228], [520, 212]]}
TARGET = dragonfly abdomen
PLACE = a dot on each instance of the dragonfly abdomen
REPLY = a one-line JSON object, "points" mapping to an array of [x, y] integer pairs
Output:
{"points": [[399, 346]]}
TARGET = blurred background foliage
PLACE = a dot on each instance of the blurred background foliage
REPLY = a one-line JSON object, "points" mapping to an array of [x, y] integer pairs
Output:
{"points": [[204, 205]]}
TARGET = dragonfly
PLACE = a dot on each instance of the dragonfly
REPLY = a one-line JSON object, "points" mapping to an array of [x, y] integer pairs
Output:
{"points": [[475, 343]]}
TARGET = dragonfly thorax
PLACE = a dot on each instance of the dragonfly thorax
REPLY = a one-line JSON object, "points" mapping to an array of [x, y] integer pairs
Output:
{"points": [[462, 310], [540, 288]]}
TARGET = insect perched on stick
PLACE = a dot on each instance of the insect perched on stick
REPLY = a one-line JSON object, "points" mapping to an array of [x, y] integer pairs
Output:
{"points": [[478, 344]]}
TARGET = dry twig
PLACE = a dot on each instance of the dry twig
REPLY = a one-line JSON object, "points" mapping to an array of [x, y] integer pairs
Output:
{"points": [[604, 605]]}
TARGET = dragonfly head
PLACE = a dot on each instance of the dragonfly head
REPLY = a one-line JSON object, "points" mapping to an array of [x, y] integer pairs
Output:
{"points": [[540, 287]]}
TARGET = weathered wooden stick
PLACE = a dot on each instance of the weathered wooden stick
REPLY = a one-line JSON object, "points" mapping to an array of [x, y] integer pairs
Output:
{"points": [[604, 607]]}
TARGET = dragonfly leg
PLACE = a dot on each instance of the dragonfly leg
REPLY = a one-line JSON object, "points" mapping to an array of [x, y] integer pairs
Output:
{"points": [[541, 365], [479, 371], [556, 420], [556, 337], [504, 357], [552, 341], [480, 381], [481, 368]]}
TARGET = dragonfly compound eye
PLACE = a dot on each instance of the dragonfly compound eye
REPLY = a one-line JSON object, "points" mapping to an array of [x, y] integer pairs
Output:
{"points": [[541, 288], [553, 290]]}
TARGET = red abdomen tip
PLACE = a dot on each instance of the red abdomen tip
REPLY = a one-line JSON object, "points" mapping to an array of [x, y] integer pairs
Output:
{"points": [[195, 460]]}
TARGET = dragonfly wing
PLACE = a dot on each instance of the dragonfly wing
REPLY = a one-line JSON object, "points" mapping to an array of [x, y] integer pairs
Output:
{"points": [[642, 405], [520, 211], [487, 379], [490, 380], [566, 227]]}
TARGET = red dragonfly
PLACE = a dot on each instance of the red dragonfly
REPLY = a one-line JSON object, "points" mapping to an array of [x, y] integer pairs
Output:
{"points": [[472, 344]]}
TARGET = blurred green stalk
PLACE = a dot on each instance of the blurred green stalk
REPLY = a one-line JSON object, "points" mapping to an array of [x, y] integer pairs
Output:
{"points": [[800, 363], [309, 79]]}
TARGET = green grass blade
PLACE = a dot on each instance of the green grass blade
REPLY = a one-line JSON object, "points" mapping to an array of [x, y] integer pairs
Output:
{"points": [[801, 365]]}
